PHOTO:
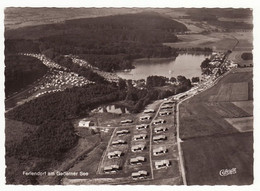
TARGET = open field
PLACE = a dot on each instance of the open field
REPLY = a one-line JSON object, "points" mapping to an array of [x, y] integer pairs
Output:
{"points": [[205, 157], [243, 124], [247, 106], [215, 131]]}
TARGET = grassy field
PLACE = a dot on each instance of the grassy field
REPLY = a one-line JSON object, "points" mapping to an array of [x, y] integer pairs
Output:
{"points": [[205, 157], [243, 124], [217, 132], [247, 106]]}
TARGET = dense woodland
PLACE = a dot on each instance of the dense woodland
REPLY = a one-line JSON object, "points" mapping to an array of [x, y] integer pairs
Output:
{"points": [[21, 71], [109, 43]]}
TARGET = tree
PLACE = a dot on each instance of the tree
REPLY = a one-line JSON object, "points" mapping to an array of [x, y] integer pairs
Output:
{"points": [[173, 79], [121, 84], [205, 63], [195, 79]]}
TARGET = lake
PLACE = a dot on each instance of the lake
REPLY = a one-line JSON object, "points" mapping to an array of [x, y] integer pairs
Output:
{"points": [[187, 65]]}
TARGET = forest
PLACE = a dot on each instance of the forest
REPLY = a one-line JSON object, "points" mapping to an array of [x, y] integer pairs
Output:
{"points": [[21, 71], [109, 43]]}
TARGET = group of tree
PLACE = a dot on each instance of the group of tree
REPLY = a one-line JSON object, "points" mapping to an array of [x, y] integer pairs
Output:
{"points": [[247, 56]]}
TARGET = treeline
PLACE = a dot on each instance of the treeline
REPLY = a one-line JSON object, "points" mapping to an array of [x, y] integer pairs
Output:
{"points": [[21, 71], [65, 105], [51, 140], [105, 42]]}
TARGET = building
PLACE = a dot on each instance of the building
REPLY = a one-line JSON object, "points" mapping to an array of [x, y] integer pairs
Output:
{"points": [[122, 132], [164, 113], [159, 138], [168, 102], [119, 142], [162, 164], [140, 174], [114, 154], [140, 137], [159, 121], [167, 107], [137, 160], [126, 121], [85, 123], [145, 117], [142, 126], [160, 151], [136, 148], [111, 168], [160, 129], [149, 111]]}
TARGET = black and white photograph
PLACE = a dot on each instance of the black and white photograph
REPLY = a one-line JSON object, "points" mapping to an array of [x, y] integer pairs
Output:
{"points": [[128, 96]]}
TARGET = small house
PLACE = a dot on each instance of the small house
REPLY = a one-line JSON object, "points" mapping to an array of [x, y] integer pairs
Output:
{"points": [[142, 126], [162, 164], [137, 160], [140, 137], [145, 117], [119, 142], [85, 123], [159, 121], [160, 151], [149, 111], [140, 174], [164, 113], [136, 148], [126, 121], [111, 168], [114, 154], [159, 138], [122, 132], [160, 129]]}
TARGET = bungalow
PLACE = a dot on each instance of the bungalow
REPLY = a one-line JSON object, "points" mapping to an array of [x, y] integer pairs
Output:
{"points": [[111, 168], [119, 142], [167, 107], [126, 121], [145, 117], [122, 132], [136, 148], [142, 126], [140, 174], [137, 160], [160, 151], [159, 138], [85, 123], [159, 121], [140, 137], [168, 102], [162, 164], [114, 154], [160, 129], [164, 113], [149, 111]]}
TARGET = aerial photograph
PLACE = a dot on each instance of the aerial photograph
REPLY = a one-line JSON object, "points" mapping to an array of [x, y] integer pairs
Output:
{"points": [[128, 96]]}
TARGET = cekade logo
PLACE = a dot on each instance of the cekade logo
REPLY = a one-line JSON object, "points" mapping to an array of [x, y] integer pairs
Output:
{"points": [[226, 172]]}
